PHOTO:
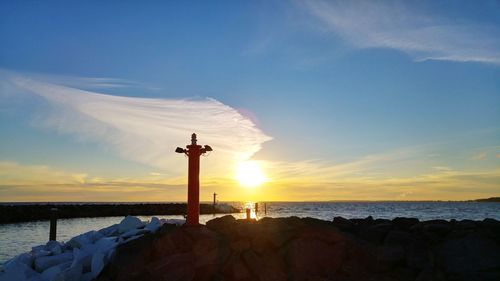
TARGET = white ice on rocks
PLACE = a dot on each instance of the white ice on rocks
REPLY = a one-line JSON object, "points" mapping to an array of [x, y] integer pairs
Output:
{"points": [[83, 257], [45, 262], [129, 223]]}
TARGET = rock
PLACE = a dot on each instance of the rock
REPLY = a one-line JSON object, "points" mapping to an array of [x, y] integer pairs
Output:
{"points": [[382, 221], [260, 244], [73, 273], [54, 247], [83, 256], [312, 257], [40, 253], [429, 274], [327, 234], [17, 270], [399, 238], [173, 267], [110, 230], [87, 277], [153, 225], [389, 257], [240, 245], [418, 255], [25, 258], [128, 223], [248, 230], [85, 238], [466, 224], [133, 232], [51, 272], [490, 222], [45, 262], [131, 238], [432, 230], [221, 223], [438, 229], [97, 264], [240, 271], [472, 257], [405, 223], [273, 249], [105, 244], [375, 233], [267, 269], [343, 224]]}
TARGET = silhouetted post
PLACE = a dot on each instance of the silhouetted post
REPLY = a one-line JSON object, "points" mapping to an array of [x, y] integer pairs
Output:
{"points": [[53, 224], [248, 213], [215, 202], [256, 208], [265, 208], [193, 152]]}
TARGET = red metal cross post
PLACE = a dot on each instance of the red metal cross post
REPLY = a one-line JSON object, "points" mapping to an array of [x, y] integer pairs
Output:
{"points": [[193, 152]]}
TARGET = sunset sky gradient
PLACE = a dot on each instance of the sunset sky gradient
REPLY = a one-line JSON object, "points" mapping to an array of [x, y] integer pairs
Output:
{"points": [[335, 100]]}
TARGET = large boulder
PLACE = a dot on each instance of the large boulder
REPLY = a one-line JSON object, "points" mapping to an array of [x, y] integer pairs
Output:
{"points": [[221, 223], [311, 257], [473, 257]]}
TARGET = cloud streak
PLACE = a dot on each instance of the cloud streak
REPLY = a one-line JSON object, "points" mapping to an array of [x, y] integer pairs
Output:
{"points": [[145, 130], [397, 25]]}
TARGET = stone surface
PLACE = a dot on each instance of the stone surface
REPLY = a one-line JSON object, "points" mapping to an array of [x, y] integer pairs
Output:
{"points": [[271, 249], [309, 249]]}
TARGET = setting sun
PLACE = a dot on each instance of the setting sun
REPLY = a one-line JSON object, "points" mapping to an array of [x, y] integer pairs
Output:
{"points": [[249, 174]]}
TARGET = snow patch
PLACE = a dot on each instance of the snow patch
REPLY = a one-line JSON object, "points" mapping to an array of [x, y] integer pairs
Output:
{"points": [[83, 257]]}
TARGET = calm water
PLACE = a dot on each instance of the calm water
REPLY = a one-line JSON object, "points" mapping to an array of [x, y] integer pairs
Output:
{"points": [[20, 237]]}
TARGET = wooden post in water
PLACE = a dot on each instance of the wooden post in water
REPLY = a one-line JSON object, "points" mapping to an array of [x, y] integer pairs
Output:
{"points": [[265, 208], [53, 224], [215, 203], [248, 213], [256, 208]]}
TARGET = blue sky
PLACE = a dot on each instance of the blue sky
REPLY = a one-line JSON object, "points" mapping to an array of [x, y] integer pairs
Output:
{"points": [[394, 96]]}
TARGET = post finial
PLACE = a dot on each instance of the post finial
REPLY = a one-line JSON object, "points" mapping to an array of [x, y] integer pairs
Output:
{"points": [[193, 139]]}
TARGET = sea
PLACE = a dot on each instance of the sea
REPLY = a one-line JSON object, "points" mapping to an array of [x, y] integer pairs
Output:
{"points": [[17, 238]]}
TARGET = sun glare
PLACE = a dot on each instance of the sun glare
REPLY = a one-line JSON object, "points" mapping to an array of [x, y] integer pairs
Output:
{"points": [[249, 174]]}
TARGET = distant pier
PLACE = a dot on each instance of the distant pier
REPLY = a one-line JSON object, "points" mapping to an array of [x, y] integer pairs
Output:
{"points": [[11, 213]]}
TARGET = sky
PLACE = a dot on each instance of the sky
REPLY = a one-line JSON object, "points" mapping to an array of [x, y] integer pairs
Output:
{"points": [[333, 100]]}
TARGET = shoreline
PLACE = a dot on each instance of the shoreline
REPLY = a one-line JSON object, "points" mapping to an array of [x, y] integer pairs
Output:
{"points": [[288, 248], [295, 248]]}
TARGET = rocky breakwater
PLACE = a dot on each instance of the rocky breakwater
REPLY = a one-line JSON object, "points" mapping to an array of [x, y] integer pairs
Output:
{"points": [[12, 212], [81, 258], [311, 249]]}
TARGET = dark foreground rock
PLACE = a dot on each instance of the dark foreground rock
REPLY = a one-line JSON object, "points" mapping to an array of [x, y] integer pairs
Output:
{"points": [[30, 212], [311, 249]]}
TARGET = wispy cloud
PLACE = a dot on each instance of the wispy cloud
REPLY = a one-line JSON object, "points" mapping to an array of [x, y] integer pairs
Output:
{"points": [[19, 182], [442, 169], [145, 130], [401, 25], [12, 173], [479, 156]]}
